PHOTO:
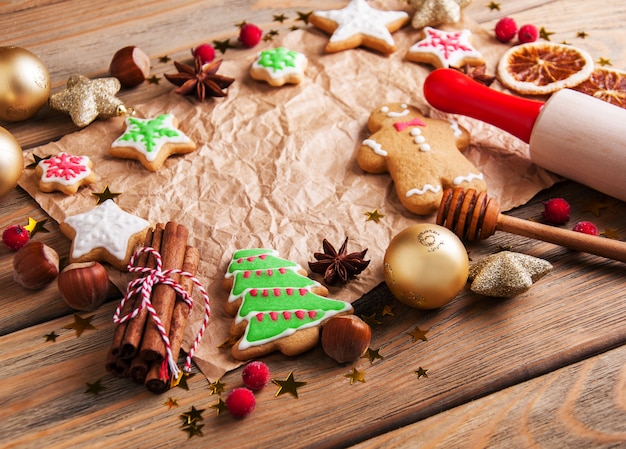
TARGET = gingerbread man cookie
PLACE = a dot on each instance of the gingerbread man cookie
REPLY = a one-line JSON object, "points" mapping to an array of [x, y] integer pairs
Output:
{"points": [[422, 155]]}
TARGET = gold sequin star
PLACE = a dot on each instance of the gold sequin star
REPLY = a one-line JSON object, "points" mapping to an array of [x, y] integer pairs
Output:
{"points": [[595, 206], [37, 160], [95, 388], [106, 194], [387, 310], [304, 16], [493, 6], [581, 34], [193, 430], [193, 415], [372, 355], [182, 381], [219, 406], [279, 18], [289, 385], [80, 324], [216, 387], [52, 336], [164, 59], [222, 46], [34, 226], [545, 34], [374, 216], [86, 100], [418, 334], [611, 233], [153, 79], [355, 376], [371, 320], [421, 372], [171, 402], [436, 12], [603, 61]]}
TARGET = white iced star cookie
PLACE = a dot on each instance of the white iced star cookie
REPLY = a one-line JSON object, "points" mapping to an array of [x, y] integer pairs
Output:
{"points": [[445, 49], [358, 24], [105, 233]]}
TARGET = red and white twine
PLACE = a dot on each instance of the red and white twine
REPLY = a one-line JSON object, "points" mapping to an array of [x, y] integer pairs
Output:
{"points": [[144, 285]]}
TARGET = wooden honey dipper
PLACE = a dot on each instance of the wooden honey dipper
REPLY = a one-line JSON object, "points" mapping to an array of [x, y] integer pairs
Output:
{"points": [[474, 216]]}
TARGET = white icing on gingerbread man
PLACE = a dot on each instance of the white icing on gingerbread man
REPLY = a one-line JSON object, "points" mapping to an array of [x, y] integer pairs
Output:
{"points": [[422, 155]]}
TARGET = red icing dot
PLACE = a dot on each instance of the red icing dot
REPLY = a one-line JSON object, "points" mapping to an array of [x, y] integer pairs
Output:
{"points": [[246, 274], [282, 270], [263, 256], [250, 259], [270, 272], [239, 260], [273, 316], [287, 315], [254, 292], [258, 272], [265, 293], [259, 316], [277, 292], [302, 291], [300, 314], [312, 313], [289, 291]]}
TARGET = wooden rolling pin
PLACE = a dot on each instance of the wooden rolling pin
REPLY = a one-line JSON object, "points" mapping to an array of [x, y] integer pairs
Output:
{"points": [[572, 134], [474, 216]]}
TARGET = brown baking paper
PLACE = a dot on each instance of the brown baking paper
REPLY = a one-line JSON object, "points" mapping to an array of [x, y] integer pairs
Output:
{"points": [[275, 167]]}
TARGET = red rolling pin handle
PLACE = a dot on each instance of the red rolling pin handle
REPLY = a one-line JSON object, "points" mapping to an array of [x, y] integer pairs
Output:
{"points": [[451, 91]]}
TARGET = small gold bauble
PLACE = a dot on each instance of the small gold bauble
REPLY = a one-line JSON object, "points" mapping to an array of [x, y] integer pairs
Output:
{"points": [[426, 266], [24, 84], [11, 162]]}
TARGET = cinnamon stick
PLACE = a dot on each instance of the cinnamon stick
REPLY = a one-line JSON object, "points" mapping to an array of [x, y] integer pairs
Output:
{"points": [[139, 370], [135, 328], [155, 381], [173, 247]]}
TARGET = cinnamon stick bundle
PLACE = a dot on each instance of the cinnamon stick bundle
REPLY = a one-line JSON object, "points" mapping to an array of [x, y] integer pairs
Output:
{"points": [[138, 350]]}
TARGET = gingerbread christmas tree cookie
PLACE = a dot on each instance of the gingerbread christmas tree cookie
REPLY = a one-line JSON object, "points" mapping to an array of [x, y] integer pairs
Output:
{"points": [[151, 141], [65, 173], [276, 306]]}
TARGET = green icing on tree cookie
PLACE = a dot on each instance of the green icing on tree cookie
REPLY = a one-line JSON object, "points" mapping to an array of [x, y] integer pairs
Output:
{"points": [[277, 58]]}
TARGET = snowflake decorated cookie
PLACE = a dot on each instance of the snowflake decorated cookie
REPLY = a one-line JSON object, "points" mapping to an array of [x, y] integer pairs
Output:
{"points": [[358, 24], [445, 49], [151, 141], [275, 305], [105, 233], [64, 173], [279, 66]]}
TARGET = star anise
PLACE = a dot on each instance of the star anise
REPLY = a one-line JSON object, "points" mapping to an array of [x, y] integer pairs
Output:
{"points": [[201, 80], [337, 265]]}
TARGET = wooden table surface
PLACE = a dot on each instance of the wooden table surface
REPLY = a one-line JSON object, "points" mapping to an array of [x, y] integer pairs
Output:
{"points": [[544, 369]]}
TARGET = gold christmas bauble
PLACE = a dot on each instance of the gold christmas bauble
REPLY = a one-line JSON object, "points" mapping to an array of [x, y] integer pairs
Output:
{"points": [[11, 162], [24, 84], [426, 266]]}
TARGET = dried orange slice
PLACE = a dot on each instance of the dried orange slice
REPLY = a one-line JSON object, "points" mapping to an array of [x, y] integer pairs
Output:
{"points": [[606, 84], [543, 67]]}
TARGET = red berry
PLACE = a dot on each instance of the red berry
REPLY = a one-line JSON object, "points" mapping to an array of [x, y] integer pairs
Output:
{"points": [[240, 402], [205, 52], [16, 236], [586, 227], [255, 375], [527, 33], [250, 35], [556, 211], [506, 28]]}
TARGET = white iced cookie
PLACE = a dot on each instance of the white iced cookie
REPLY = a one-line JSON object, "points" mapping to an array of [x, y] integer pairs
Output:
{"points": [[279, 66]]}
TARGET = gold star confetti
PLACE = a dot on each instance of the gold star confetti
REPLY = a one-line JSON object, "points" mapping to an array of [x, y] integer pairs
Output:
{"points": [[371, 320], [86, 100], [219, 406], [611, 233], [355, 376], [304, 16], [493, 6], [418, 334], [241, 24], [545, 34], [106, 194], [193, 430], [387, 310], [222, 46], [192, 416], [34, 226], [182, 380], [374, 216], [506, 274], [581, 34], [596, 206], [289, 385], [603, 61], [216, 387], [171, 402], [372, 355], [80, 324], [294, 28], [37, 161], [279, 18], [95, 388], [153, 79], [164, 59], [421, 372], [52, 336]]}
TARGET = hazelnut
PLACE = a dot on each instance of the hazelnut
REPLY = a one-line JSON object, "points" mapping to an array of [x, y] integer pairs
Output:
{"points": [[345, 338], [35, 265], [130, 65], [84, 285]]}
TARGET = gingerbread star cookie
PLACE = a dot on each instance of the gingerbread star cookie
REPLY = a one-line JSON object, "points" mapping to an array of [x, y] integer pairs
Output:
{"points": [[279, 66], [445, 49], [358, 24], [151, 141], [105, 233], [64, 173]]}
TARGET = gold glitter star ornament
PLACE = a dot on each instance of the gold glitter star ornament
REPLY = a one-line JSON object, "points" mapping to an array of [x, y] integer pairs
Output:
{"points": [[85, 99], [436, 12], [506, 274]]}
